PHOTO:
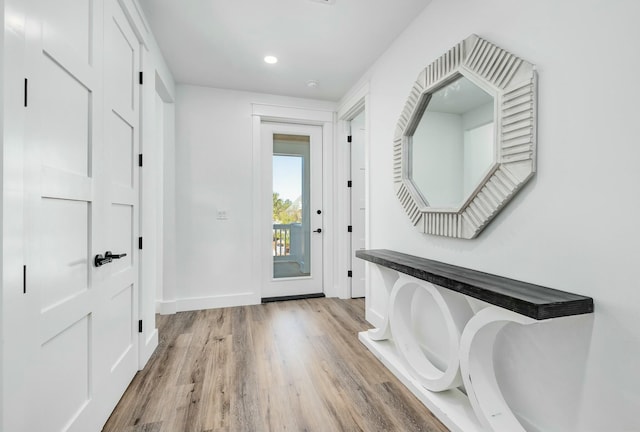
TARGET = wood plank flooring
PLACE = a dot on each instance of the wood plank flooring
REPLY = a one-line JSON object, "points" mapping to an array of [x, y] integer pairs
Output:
{"points": [[287, 366]]}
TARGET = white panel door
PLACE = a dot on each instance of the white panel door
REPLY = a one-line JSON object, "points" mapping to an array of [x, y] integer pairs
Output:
{"points": [[81, 199], [357, 204], [119, 328], [63, 127]]}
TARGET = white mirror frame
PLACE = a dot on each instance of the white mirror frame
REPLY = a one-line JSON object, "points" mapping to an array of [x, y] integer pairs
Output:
{"points": [[513, 83]]}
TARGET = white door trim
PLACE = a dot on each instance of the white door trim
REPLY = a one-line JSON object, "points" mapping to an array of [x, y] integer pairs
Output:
{"points": [[294, 115], [154, 96], [359, 100]]}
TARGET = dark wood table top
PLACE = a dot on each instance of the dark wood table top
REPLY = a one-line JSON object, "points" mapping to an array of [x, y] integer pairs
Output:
{"points": [[535, 301]]}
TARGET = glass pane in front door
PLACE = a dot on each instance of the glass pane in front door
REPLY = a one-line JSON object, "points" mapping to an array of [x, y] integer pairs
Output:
{"points": [[291, 206]]}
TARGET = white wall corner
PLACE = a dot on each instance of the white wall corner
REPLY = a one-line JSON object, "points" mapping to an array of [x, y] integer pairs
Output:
{"points": [[166, 307], [353, 102]]}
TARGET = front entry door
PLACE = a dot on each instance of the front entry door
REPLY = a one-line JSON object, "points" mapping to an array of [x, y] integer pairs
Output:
{"points": [[292, 194], [82, 193]]}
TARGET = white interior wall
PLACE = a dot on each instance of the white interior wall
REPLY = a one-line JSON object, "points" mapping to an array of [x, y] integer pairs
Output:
{"points": [[573, 227], [213, 172]]}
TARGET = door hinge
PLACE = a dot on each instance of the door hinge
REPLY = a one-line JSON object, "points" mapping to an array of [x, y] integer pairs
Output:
{"points": [[139, 326], [141, 77], [349, 273], [349, 183], [349, 228], [349, 139], [26, 92], [140, 160], [24, 279], [140, 243]]}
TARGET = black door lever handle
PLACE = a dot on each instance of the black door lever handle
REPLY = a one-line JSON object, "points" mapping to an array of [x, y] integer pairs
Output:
{"points": [[108, 254], [100, 260], [319, 230]]}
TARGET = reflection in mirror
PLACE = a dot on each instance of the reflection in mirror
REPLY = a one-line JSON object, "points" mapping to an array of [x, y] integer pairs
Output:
{"points": [[453, 145]]}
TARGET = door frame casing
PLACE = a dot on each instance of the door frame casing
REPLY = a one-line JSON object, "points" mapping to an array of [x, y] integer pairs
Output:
{"points": [[355, 198], [292, 115], [154, 95], [357, 102]]}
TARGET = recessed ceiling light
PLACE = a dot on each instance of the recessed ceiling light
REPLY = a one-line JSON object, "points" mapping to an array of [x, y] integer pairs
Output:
{"points": [[312, 83], [271, 59], [325, 1]]}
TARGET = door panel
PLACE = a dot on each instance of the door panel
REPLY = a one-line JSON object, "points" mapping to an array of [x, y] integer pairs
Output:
{"points": [[61, 120], [122, 218], [122, 50], [121, 150], [66, 365], [67, 130], [121, 314], [67, 267], [68, 24]]}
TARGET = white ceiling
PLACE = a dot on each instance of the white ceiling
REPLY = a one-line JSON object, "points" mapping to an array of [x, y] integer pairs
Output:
{"points": [[222, 43]]}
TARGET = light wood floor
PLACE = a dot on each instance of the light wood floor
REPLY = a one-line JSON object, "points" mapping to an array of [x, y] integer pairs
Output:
{"points": [[288, 366]]}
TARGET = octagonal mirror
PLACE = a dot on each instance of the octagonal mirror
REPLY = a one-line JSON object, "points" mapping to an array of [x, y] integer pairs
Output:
{"points": [[465, 142]]}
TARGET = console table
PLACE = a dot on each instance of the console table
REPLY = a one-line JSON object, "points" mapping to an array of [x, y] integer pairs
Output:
{"points": [[471, 335]]}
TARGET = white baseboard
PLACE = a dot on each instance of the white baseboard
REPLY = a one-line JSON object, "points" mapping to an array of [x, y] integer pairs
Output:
{"points": [[166, 307], [212, 302], [147, 346]]}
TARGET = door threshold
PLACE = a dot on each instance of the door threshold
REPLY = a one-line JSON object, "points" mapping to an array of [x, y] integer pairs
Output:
{"points": [[291, 297]]}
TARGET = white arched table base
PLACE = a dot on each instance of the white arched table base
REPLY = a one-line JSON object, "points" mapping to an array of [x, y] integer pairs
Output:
{"points": [[456, 313], [478, 373], [401, 346], [452, 407], [471, 339], [389, 277]]}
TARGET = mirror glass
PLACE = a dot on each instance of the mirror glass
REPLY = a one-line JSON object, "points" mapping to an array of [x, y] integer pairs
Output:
{"points": [[453, 145]]}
